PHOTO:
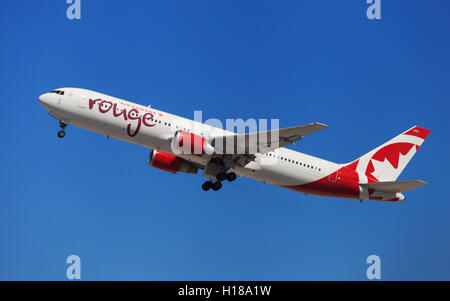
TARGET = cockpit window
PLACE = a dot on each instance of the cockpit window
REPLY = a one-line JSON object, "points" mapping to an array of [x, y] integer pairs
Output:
{"points": [[58, 92]]}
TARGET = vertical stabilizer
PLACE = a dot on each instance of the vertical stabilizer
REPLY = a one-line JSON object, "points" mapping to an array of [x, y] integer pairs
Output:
{"points": [[386, 162]]}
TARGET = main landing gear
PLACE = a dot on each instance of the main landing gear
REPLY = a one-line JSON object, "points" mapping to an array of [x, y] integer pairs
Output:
{"points": [[209, 184], [221, 176], [62, 132]]}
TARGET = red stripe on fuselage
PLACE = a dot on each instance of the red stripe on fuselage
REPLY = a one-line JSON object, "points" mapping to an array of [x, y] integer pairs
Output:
{"points": [[343, 183]]}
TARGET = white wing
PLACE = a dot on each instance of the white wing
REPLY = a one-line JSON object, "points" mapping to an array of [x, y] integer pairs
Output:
{"points": [[263, 142]]}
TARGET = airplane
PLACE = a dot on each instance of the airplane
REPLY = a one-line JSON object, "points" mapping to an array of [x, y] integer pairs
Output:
{"points": [[182, 145]]}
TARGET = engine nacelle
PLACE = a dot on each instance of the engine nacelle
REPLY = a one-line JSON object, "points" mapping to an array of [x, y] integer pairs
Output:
{"points": [[170, 163], [190, 144]]}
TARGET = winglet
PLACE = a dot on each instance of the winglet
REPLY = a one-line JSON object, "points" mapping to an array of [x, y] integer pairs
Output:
{"points": [[321, 125], [308, 128]]}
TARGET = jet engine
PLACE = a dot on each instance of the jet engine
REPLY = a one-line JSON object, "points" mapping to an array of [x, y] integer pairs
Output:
{"points": [[191, 144], [170, 163]]}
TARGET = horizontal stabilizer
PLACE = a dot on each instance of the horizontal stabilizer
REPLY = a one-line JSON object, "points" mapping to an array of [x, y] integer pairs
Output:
{"points": [[394, 186]]}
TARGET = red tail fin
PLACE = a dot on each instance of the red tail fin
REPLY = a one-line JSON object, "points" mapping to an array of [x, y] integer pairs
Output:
{"points": [[386, 162]]}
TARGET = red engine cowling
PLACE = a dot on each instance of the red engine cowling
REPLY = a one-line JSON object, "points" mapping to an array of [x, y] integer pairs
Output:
{"points": [[191, 144], [170, 163]]}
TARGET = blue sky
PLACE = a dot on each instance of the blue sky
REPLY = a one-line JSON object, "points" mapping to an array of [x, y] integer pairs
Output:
{"points": [[299, 61]]}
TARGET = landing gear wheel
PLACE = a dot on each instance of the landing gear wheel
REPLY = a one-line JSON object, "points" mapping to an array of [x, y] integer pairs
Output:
{"points": [[231, 177], [207, 185], [61, 134], [221, 176], [216, 186]]}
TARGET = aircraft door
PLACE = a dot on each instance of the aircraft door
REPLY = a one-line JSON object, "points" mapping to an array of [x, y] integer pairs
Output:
{"points": [[82, 102], [334, 176]]}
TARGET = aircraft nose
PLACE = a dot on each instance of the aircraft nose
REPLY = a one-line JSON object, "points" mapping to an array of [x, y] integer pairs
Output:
{"points": [[44, 99]]}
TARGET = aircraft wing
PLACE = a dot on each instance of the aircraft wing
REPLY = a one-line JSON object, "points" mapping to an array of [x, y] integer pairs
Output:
{"points": [[263, 142], [395, 186]]}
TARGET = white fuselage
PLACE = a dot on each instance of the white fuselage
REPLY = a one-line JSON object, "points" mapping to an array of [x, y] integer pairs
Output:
{"points": [[156, 129]]}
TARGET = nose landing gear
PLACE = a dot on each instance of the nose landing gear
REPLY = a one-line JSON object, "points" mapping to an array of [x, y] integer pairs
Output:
{"points": [[62, 132]]}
